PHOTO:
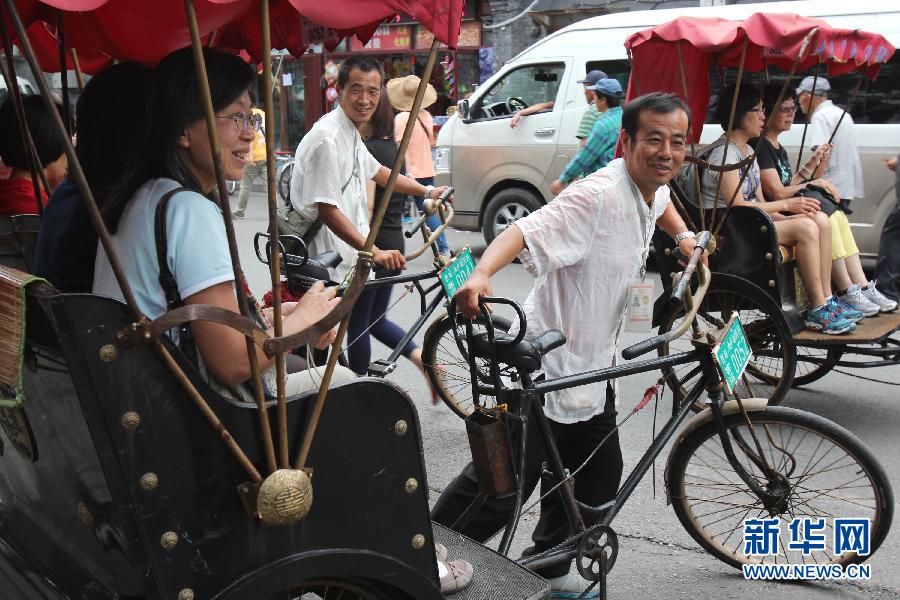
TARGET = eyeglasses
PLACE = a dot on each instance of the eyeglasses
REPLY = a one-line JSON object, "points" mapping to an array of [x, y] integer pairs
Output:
{"points": [[243, 120], [758, 109], [788, 110]]}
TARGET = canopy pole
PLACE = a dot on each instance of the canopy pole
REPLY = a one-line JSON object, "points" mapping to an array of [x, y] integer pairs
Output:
{"points": [[806, 120], [684, 88], [737, 91], [63, 69], [76, 65], [637, 87], [38, 177], [275, 258], [225, 206], [77, 174], [800, 55], [847, 108], [367, 249]]}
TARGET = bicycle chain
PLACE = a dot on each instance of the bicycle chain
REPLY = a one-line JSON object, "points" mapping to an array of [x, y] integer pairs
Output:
{"points": [[872, 379]]}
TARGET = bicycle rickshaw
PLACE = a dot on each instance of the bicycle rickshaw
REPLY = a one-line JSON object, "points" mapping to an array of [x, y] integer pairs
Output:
{"points": [[123, 474]]}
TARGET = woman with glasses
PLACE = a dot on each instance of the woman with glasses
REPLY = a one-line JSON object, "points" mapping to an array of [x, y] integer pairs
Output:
{"points": [[798, 221], [860, 296], [185, 260]]}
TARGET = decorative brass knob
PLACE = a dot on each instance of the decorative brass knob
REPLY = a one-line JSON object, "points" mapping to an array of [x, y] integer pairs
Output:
{"points": [[168, 540], [149, 481], [418, 541], [411, 485], [108, 353], [400, 427], [186, 594], [284, 497], [131, 420]]}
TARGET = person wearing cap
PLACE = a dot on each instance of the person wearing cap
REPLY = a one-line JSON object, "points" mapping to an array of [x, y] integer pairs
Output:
{"points": [[401, 92], [600, 147], [844, 169], [590, 115]]}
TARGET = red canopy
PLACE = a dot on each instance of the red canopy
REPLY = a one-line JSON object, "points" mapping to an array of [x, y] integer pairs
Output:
{"points": [[772, 39], [146, 31]]}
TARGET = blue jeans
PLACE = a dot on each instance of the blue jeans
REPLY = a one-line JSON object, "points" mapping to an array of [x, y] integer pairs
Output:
{"points": [[433, 221], [372, 304]]}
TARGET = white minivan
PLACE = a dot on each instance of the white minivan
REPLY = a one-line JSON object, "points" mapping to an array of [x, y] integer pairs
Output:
{"points": [[501, 174]]}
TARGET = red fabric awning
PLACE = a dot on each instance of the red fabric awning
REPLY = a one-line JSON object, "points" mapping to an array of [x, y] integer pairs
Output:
{"points": [[146, 31], [772, 39]]}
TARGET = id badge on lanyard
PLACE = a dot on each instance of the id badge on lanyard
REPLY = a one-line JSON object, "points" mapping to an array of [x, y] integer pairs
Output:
{"points": [[641, 293]]}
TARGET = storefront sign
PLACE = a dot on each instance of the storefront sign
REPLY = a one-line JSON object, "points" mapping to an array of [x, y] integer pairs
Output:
{"points": [[387, 37], [469, 36]]}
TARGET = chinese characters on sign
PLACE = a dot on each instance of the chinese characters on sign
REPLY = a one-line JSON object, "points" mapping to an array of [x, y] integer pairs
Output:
{"points": [[387, 37], [762, 537], [456, 273]]}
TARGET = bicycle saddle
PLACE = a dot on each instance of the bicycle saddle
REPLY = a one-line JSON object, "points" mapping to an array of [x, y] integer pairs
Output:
{"points": [[315, 268], [526, 355]]}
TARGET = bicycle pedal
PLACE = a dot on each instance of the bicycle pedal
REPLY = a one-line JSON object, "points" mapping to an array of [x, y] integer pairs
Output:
{"points": [[381, 368]]}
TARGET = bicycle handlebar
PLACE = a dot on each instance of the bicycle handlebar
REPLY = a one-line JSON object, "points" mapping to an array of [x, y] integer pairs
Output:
{"points": [[693, 301], [684, 281], [482, 304], [442, 206]]}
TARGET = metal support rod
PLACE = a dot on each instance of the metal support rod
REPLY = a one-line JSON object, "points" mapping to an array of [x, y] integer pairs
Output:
{"points": [[63, 70], [684, 88], [76, 173], [38, 177], [769, 118], [316, 413], [76, 66], [737, 92], [239, 281], [275, 258], [812, 93], [637, 87]]}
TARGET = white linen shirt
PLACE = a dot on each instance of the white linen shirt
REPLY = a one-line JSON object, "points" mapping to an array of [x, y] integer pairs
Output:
{"points": [[330, 155], [844, 167], [584, 248]]}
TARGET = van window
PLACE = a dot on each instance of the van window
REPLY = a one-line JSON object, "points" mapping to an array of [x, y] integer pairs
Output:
{"points": [[520, 88], [614, 69]]}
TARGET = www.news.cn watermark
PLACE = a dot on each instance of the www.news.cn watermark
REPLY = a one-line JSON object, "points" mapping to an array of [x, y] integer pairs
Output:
{"points": [[806, 535]]}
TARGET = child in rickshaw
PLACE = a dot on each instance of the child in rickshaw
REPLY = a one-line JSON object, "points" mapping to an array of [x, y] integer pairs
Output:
{"points": [[178, 166], [805, 228], [779, 182]]}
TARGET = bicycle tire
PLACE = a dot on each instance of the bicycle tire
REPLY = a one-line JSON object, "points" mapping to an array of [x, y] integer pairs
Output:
{"points": [[701, 453], [774, 360], [447, 367], [808, 372], [333, 589]]}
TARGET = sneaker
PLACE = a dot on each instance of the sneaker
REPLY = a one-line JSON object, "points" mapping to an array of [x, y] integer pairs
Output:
{"points": [[455, 575], [440, 552], [238, 214], [844, 310], [570, 587], [824, 320], [875, 297], [856, 299]]}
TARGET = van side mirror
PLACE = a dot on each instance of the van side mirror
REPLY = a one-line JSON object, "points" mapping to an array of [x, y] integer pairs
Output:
{"points": [[463, 109]]}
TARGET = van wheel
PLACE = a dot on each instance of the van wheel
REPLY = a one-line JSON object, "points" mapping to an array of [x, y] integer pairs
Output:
{"points": [[505, 208]]}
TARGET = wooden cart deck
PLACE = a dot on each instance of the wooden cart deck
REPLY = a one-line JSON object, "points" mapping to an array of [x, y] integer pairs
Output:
{"points": [[871, 330]]}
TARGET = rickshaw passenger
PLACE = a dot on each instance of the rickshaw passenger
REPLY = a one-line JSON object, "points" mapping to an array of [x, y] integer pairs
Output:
{"points": [[779, 182], [17, 192], [177, 157], [806, 229], [111, 117]]}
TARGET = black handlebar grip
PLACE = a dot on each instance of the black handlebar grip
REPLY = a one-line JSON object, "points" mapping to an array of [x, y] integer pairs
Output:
{"points": [[643, 347], [677, 297], [446, 194], [415, 226]]}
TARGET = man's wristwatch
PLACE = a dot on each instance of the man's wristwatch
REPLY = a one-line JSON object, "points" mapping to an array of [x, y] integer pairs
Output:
{"points": [[428, 190], [684, 235]]}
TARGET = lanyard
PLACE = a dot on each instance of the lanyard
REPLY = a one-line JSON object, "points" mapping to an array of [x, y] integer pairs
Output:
{"points": [[645, 225]]}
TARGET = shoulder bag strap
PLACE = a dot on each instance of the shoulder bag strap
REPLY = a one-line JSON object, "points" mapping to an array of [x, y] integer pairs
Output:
{"points": [[166, 279]]}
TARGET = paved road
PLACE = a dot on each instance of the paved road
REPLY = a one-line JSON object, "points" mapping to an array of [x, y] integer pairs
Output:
{"points": [[657, 559]]}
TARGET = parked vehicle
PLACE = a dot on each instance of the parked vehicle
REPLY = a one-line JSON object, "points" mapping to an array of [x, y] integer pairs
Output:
{"points": [[502, 174]]}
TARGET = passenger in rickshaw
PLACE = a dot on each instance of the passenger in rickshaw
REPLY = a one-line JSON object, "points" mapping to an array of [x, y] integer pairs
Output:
{"points": [[178, 167], [17, 192], [805, 228], [779, 182], [111, 117]]}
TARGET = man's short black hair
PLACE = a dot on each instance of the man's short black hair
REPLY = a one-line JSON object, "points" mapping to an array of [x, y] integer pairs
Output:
{"points": [[656, 102], [364, 63], [48, 140], [748, 97], [611, 101]]}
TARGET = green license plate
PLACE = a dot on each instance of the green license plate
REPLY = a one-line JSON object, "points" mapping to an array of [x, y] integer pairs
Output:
{"points": [[455, 274], [732, 353]]}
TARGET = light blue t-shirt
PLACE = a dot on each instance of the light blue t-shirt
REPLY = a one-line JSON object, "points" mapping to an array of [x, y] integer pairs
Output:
{"points": [[197, 247]]}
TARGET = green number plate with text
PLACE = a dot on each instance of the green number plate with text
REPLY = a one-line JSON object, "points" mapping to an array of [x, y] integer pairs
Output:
{"points": [[456, 273], [732, 353]]}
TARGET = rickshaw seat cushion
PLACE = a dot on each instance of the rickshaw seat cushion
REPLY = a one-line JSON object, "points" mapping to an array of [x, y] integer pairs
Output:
{"points": [[13, 284], [526, 355]]}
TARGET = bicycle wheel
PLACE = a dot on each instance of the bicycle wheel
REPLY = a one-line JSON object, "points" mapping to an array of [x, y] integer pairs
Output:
{"points": [[284, 181], [827, 471], [771, 369], [809, 371], [330, 589], [448, 368]]}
